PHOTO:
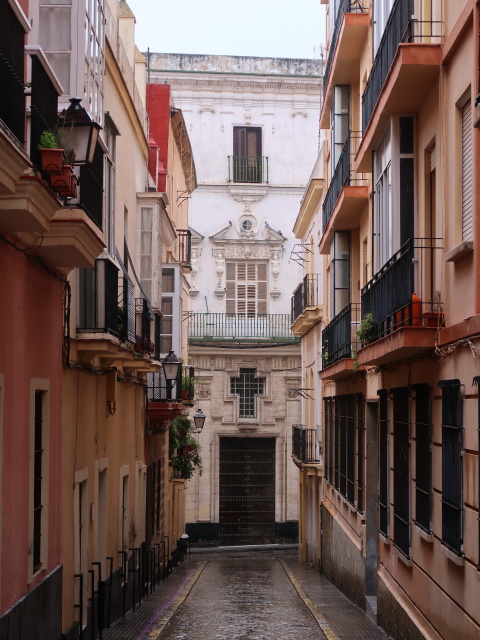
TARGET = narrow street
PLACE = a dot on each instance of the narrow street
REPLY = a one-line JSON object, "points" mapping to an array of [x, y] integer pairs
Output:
{"points": [[254, 595]]}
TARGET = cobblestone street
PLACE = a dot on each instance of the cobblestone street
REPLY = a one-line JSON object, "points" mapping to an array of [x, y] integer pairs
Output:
{"points": [[254, 595]]}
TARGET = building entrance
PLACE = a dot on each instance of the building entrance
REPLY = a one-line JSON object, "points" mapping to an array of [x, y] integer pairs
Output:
{"points": [[247, 491]]}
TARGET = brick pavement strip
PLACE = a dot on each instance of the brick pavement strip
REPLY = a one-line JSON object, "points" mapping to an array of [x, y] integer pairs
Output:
{"points": [[322, 623]]}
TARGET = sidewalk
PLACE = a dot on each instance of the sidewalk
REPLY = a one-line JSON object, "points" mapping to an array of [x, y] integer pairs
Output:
{"points": [[336, 616]]}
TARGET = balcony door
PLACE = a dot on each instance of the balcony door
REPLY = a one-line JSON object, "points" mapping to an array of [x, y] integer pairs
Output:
{"points": [[247, 154], [246, 288]]}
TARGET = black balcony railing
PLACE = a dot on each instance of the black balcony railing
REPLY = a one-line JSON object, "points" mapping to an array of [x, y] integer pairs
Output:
{"points": [[99, 310], [159, 389], [305, 296], [342, 176], [305, 446], [400, 28], [247, 169], [346, 6], [43, 106], [144, 317], [339, 338], [91, 187], [184, 247], [12, 93], [395, 32], [390, 295], [237, 326]]}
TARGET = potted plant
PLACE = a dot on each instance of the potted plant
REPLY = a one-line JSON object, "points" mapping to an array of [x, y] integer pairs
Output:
{"points": [[65, 183], [367, 329], [51, 154]]}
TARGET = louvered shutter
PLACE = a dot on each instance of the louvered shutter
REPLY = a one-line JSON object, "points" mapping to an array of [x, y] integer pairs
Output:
{"points": [[231, 282], [262, 288], [467, 172]]}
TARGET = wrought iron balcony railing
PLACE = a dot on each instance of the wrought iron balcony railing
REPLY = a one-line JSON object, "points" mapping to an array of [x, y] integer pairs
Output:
{"points": [[400, 28], [305, 446], [343, 176], [43, 106], [184, 239], [346, 6], [339, 338], [247, 169], [391, 296], [305, 295], [12, 95], [237, 326]]}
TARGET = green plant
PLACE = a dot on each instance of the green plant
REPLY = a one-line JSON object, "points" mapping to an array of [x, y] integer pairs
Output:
{"points": [[325, 355], [48, 140], [366, 330], [184, 449]]}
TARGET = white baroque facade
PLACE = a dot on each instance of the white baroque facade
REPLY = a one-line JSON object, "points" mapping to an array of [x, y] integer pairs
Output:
{"points": [[253, 126]]}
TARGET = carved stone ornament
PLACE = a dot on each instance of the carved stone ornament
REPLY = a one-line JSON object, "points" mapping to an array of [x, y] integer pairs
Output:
{"points": [[299, 113], [202, 391]]}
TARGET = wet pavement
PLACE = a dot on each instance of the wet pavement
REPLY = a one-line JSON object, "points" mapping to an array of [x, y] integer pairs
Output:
{"points": [[239, 594]]}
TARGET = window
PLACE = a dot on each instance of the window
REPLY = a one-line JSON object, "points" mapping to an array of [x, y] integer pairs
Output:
{"points": [[329, 451], [393, 166], [124, 509], [55, 35], [247, 386], [341, 407], [171, 308], [247, 154], [246, 287], [360, 451], [383, 460], [80, 501], [39, 478], [146, 244], [110, 131], [381, 12], [452, 468], [423, 458], [467, 171], [340, 122], [350, 452], [339, 272], [94, 58], [401, 470]]}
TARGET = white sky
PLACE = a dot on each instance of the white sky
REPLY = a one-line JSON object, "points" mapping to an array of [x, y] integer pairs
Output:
{"points": [[267, 28]]}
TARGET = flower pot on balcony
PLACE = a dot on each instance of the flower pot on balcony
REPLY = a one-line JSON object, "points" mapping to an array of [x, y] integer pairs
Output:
{"points": [[65, 184], [51, 161]]}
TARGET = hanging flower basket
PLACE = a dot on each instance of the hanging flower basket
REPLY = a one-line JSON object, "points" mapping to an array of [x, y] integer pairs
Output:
{"points": [[65, 184], [51, 161]]}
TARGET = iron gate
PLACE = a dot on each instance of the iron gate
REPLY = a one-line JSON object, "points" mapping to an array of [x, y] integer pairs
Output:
{"points": [[247, 491]]}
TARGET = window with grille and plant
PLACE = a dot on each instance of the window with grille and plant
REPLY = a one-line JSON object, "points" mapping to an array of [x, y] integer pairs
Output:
{"points": [[246, 288], [247, 387]]}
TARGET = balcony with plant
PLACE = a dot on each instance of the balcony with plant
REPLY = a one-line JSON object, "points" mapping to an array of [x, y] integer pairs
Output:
{"points": [[184, 450]]}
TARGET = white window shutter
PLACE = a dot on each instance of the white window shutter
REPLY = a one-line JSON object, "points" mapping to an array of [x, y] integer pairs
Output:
{"points": [[467, 172]]}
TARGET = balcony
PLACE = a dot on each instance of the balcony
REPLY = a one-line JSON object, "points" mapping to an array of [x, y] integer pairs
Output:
{"points": [[184, 240], [346, 196], [406, 312], [340, 344], [305, 445], [167, 400], [406, 65], [249, 169], [237, 327], [344, 53], [306, 310]]}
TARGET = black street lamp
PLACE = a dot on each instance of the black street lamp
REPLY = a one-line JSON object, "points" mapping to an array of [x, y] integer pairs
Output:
{"points": [[171, 364], [78, 132], [199, 420]]}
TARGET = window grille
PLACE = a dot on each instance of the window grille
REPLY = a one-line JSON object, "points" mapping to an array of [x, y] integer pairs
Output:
{"points": [[383, 461], [423, 457], [452, 468], [247, 386], [401, 470], [37, 480], [360, 451]]}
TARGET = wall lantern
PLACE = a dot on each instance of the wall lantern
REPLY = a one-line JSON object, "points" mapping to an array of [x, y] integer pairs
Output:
{"points": [[78, 132], [171, 365], [199, 420]]}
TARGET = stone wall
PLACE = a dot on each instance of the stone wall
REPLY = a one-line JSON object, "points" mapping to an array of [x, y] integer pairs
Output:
{"points": [[349, 574], [392, 617]]}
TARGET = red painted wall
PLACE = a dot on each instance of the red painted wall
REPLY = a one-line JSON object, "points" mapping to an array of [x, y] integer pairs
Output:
{"points": [[158, 108], [31, 319]]}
